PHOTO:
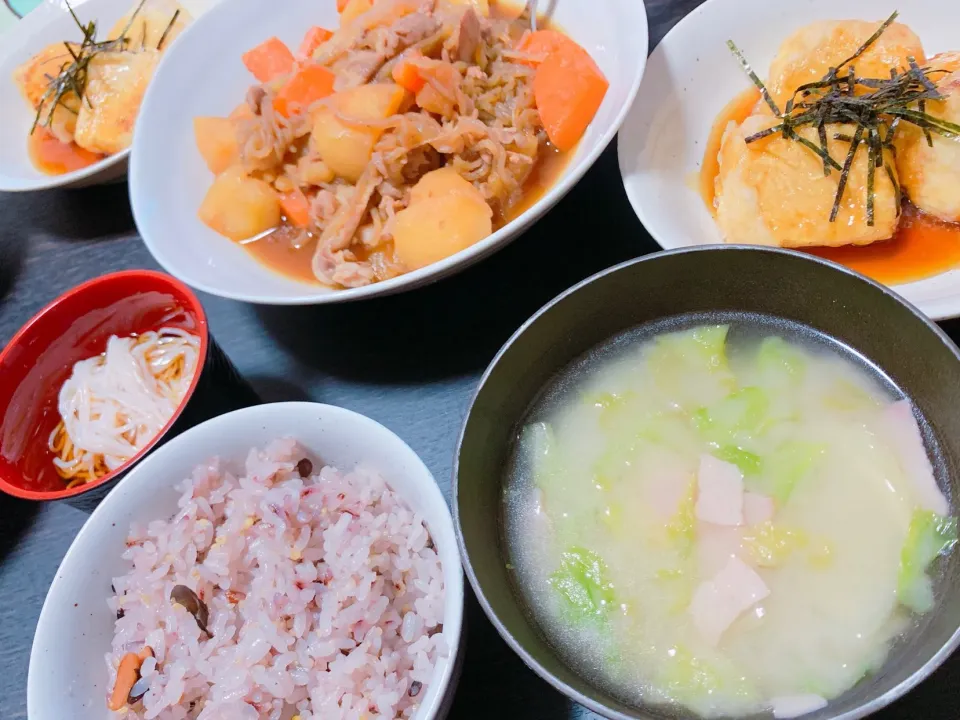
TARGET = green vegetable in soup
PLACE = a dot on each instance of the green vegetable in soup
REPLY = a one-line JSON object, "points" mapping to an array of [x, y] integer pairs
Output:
{"points": [[748, 462], [614, 407], [784, 468], [700, 353], [583, 584], [543, 451], [780, 363], [744, 412], [682, 528], [929, 536], [691, 680], [848, 396]]}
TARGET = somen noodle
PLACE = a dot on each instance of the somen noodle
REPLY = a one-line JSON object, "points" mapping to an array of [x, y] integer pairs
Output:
{"points": [[115, 403]]}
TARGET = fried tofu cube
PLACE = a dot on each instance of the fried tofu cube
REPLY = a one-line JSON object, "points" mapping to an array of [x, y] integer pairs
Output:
{"points": [[34, 78], [116, 83], [773, 191], [809, 53], [149, 25], [930, 172]]}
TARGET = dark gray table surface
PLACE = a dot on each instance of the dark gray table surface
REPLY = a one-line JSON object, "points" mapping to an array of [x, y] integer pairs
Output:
{"points": [[410, 361]]}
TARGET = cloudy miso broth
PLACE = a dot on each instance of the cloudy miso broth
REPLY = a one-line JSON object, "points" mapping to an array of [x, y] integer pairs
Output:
{"points": [[732, 517]]}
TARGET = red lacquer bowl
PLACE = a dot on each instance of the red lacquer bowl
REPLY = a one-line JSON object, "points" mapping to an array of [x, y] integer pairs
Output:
{"points": [[76, 326]]}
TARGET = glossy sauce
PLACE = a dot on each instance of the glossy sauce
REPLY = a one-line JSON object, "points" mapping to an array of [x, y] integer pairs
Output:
{"points": [[277, 253], [922, 247], [55, 157], [737, 110]]}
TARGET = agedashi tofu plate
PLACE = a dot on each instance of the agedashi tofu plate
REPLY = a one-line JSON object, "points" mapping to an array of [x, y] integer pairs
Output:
{"points": [[852, 155], [343, 150], [71, 83]]}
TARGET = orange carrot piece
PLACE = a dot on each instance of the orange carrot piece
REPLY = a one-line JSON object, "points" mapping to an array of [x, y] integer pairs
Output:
{"points": [[568, 88], [406, 72], [308, 84], [269, 60], [541, 43], [128, 672], [341, 4], [445, 75], [296, 208], [315, 37]]}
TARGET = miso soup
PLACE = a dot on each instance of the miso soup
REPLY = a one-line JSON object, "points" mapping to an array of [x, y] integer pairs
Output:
{"points": [[732, 518]]}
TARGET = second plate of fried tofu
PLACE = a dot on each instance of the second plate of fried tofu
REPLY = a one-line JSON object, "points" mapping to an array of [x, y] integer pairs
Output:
{"points": [[828, 127]]}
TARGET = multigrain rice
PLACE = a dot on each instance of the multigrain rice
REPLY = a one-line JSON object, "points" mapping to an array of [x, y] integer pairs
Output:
{"points": [[325, 597]]}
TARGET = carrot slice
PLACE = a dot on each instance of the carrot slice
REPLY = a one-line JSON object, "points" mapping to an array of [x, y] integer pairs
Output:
{"points": [[269, 60], [315, 37], [406, 72], [307, 85], [341, 4], [296, 208], [447, 77], [540, 44], [568, 89], [128, 672]]}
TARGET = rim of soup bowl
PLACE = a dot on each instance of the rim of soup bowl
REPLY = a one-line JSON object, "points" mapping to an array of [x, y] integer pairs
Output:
{"points": [[864, 709]]}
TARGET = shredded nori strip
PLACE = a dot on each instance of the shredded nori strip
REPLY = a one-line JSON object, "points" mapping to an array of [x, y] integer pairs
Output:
{"points": [[73, 74], [874, 106], [753, 76], [845, 172], [166, 32]]}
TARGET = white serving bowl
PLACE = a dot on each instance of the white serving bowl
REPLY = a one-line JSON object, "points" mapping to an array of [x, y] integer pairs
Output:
{"points": [[692, 76], [203, 75], [68, 676]]}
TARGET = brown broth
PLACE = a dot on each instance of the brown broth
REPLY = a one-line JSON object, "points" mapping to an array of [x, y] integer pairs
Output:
{"points": [[277, 253], [922, 247]]}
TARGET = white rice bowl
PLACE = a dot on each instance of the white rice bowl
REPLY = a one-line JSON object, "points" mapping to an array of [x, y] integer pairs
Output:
{"points": [[334, 595]]}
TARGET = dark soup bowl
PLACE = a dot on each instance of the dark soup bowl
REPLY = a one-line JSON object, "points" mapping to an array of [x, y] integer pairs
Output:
{"points": [[76, 326], [832, 306]]}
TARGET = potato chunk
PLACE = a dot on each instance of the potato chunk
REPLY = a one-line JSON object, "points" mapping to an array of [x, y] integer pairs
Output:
{"points": [[116, 82], [239, 207], [445, 181], [217, 141], [353, 10], [33, 80], [773, 191], [346, 148], [438, 227], [931, 175]]}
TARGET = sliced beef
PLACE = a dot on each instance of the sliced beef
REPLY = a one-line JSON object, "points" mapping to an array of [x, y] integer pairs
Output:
{"points": [[466, 37], [357, 68]]}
